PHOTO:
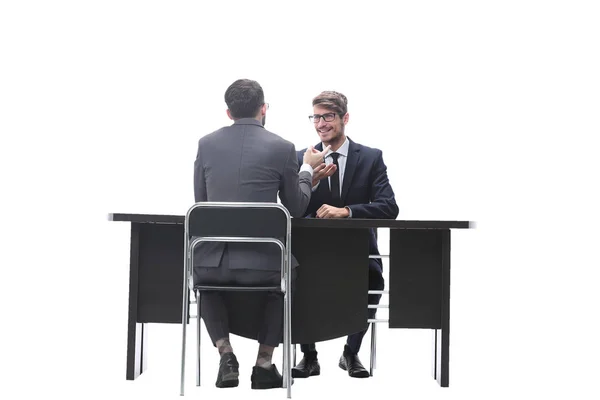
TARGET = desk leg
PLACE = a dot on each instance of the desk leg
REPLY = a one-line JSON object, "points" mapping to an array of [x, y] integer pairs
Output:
{"points": [[136, 332], [441, 337]]}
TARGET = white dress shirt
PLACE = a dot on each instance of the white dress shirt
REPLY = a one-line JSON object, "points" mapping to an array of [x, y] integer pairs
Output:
{"points": [[342, 158]]}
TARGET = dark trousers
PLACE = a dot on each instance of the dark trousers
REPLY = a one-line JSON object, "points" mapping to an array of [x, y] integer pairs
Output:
{"points": [[376, 282], [214, 310]]}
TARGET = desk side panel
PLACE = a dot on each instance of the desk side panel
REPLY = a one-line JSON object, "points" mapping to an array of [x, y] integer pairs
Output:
{"points": [[416, 266], [160, 273]]}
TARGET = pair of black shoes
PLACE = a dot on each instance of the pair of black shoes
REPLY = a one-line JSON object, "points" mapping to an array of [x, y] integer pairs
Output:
{"points": [[262, 378], [309, 365]]}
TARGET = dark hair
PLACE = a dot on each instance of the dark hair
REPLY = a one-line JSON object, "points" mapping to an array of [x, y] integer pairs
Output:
{"points": [[333, 101], [244, 98]]}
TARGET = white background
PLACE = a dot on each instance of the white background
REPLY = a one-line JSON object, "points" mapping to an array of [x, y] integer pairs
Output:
{"points": [[486, 111]]}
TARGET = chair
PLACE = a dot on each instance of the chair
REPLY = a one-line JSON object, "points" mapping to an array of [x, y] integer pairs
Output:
{"points": [[373, 322], [241, 223]]}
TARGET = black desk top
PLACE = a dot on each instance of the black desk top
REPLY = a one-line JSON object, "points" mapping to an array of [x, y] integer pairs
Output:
{"points": [[312, 222]]}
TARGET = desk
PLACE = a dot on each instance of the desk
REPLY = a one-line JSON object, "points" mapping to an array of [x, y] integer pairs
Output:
{"points": [[419, 280]]}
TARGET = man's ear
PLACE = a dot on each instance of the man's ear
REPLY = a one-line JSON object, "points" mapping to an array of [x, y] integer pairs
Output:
{"points": [[346, 117], [229, 114]]}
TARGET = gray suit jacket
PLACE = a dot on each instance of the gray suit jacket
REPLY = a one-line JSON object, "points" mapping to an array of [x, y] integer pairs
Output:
{"points": [[245, 162]]}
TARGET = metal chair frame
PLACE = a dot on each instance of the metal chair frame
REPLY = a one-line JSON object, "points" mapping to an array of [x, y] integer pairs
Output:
{"points": [[284, 287]]}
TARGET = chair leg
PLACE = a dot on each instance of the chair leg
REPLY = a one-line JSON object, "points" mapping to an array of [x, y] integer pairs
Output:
{"points": [[294, 350], [373, 347], [285, 341], [199, 329], [184, 317], [288, 365]]}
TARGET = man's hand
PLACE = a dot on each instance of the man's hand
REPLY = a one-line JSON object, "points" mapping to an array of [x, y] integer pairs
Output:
{"points": [[313, 157], [322, 171], [327, 211]]}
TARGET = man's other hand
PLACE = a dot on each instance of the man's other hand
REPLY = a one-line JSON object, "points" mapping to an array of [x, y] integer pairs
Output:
{"points": [[322, 171], [327, 211]]}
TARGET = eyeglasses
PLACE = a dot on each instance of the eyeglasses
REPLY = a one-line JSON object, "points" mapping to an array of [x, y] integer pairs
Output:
{"points": [[267, 104], [326, 117]]}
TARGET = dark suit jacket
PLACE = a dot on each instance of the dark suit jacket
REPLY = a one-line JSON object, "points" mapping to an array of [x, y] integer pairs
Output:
{"points": [[366, 190]]}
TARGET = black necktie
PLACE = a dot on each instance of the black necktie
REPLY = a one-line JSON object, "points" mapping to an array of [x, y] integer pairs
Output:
{"points": [[335, 182]]}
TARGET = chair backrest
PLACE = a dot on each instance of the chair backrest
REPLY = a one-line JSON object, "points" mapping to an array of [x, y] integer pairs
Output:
{"points": [[238, 219]]}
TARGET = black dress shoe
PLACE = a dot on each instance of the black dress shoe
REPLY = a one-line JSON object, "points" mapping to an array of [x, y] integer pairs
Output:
{"points": [[351, 363], [308, 366], [266, 378], [228, 375]]}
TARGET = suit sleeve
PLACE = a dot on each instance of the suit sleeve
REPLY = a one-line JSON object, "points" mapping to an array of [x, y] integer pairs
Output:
{"points": [[295, 188], [383, 203], [199, 179], [310, 209]]}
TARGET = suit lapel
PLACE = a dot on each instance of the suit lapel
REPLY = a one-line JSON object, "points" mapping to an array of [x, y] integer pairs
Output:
{"points": [[351, 163]]}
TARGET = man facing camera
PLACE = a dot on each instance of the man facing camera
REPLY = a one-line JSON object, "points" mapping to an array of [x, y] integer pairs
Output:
{"points": [[245, 162], [358, 188]]}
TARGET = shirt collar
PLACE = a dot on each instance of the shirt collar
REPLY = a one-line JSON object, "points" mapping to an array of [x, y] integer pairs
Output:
{"points": [[343, 150], [247, 121]]}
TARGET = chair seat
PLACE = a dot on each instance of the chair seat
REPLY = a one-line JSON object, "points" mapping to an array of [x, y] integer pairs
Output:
{"points": [[238, 288]]}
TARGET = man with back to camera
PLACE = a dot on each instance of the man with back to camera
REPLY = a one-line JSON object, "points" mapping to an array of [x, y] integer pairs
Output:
{"points": [[358, 188], [246, 163]]}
